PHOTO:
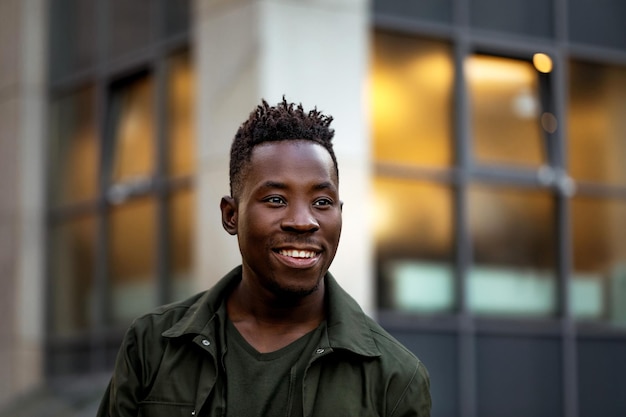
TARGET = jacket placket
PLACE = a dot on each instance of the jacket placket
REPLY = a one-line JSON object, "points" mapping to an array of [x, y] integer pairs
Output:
{"points": [[210, 399]]}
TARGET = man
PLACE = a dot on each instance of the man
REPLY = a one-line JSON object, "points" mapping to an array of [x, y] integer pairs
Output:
{"points": [[277, 336]]}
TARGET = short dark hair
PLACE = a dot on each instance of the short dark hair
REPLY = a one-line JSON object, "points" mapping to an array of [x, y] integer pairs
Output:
{"points": [[285, 121]]}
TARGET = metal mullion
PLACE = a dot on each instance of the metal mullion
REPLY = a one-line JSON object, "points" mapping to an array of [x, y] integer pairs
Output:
{"points": [[162, 195], [597, 54], [592, 189], [161, 74], [101, 273], [463, 160], [393, 320], [412, 26], [569, 337], [560, 95]]}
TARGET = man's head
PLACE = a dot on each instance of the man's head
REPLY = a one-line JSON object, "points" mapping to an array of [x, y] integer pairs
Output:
{"points": [[283, 122], [284, 206]]}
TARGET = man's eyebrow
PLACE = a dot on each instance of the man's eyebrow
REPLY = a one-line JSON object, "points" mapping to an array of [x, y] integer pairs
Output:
{"points": [[325, 185], [274, 184]]}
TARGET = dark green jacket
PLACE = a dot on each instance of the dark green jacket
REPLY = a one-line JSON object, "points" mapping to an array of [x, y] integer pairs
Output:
{"points": [[171, 364]]}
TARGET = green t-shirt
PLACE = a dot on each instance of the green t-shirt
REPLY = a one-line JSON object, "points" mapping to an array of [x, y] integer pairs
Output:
{"points": [[265, 384]]}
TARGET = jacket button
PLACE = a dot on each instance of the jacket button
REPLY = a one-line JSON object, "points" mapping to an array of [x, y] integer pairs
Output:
{"points": [[319, 351], [205, 342]]}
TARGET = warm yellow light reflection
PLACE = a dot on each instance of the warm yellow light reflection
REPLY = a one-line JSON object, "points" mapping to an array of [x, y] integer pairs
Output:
{"points": [[542, 62], [505, 106], [382, 214], [411, 84], [482, 69]]}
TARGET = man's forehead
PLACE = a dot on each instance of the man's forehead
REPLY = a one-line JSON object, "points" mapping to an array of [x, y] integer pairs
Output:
{"points": [[285, 154], [286, 164]]}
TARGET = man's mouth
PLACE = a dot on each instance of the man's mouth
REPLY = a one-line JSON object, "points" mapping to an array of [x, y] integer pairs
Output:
{"points": [[301, 254]]}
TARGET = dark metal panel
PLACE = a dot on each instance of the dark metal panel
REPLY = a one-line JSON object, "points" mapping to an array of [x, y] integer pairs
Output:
{"points": [[519, 376], [602, 378]]}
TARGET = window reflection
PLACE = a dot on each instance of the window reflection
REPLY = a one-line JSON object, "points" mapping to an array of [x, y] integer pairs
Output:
{"points": [[596, 123], [182, 224], [177, 16], [413, 232], [599, 248], [411, 98], [523, 17], [72, 257], [181, 121], [505, 110], [130, 25], [73, 40], [512, 234], [131, 153], [132, 233], [73, 148]]}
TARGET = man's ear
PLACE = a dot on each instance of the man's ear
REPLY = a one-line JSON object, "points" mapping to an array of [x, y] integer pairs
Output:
{"points": [[228, 206]]}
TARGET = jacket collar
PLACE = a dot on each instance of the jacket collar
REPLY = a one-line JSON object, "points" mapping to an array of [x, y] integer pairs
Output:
{"points": [[348, 327], [200, 315]]}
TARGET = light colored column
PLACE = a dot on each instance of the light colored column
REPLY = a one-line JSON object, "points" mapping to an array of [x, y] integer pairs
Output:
{"points": [[22, 103], [8, 191], [32, 140], [314, 52]]}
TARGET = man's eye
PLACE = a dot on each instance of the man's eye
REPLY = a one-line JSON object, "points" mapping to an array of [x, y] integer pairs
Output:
{"points": [[323, 202], [275, 200]]}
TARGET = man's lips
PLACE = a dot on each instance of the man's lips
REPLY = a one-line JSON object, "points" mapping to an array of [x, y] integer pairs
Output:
{"points": [[298, 257], [298, 253]]}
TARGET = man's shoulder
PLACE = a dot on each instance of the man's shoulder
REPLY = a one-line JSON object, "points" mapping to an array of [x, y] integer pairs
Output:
{"points": [[397, 360], [388, 344], [165, 316], [188, 315]]}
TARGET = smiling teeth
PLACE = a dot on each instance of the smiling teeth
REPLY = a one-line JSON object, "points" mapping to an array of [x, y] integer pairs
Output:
{"points": [[297, 253]]}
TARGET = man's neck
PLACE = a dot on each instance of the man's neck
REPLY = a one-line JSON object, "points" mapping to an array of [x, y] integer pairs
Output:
{"points": [[269, 322]]}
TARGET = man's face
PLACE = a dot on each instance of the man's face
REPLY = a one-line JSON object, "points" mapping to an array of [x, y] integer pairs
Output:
{"points": [[288, 217]]}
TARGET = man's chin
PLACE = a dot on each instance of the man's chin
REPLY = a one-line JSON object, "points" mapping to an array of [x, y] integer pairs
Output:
{"points": [[294, 292]]}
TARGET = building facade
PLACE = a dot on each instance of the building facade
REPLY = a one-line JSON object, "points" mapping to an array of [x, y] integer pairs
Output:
{"points": [[481, 146]]}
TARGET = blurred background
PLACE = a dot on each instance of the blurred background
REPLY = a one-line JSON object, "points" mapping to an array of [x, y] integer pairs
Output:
{"points": [[482, 150]]}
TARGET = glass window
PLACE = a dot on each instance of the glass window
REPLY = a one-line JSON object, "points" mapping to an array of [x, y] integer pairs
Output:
{"points": [[596, 123], [505, 107], [412, 97], [598, 289], [524, 17], [73, 148], [413, 234], [131, 153], [121, 211], [132, 234], [130, 25], [73, 40], [436, 10], [72, 259], [177, 16], [602, 24], [181, 120], [512, 234], [182, 224]]}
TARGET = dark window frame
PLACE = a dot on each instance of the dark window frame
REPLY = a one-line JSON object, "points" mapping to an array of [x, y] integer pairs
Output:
{"points": [[99, 344], [462, 324]]}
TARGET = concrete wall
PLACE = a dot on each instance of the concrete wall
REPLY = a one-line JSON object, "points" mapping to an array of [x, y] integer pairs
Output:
{"points": [[314, 52], [22, 107]]}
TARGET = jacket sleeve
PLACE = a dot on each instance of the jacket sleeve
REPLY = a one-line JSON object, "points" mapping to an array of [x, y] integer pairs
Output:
{"points": [[415, 401], [123, 394]]}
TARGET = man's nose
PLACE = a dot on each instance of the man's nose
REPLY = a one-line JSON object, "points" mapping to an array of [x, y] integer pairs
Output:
{"points": [[300, 218]]}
